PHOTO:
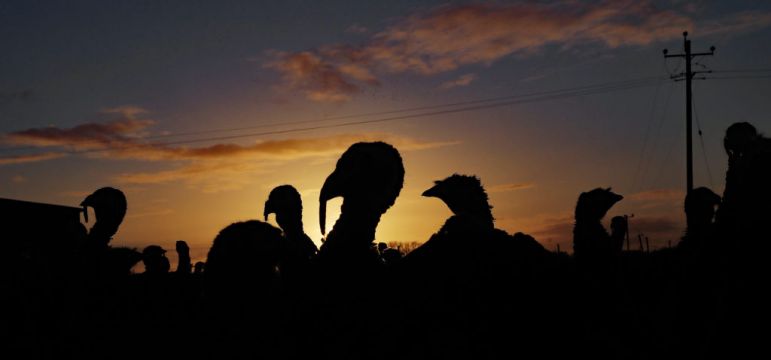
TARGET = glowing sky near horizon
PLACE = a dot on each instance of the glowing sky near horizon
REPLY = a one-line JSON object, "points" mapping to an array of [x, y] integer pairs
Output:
{"points": [[91, 91]]}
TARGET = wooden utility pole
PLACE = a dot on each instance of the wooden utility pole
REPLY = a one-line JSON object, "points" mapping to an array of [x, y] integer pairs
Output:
{"points": [[688, 77]]}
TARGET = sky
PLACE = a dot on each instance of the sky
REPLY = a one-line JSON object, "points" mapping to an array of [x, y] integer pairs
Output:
{"points": [[196, 109]]}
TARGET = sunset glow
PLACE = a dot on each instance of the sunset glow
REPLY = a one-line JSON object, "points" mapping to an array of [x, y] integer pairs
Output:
{"points": [[196, 111]]}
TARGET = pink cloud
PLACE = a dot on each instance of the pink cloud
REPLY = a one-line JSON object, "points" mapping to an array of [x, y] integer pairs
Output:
{"points": [[319, 78], [449, 37]]}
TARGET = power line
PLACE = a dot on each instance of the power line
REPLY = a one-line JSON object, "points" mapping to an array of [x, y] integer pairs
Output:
{"points": [[759, 70], [701, 141], [651, 119], [646, 168], [665, 160], [411, 109], [377, 113], [738, 77], [394, 118], [403, 110], [548, 96]]}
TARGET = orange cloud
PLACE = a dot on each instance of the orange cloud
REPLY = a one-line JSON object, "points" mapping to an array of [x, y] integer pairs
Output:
{"points": [[214, 167], [21, 159], [122, 138], [510, 187], [229, 167], [121, 128], [86, 136]]}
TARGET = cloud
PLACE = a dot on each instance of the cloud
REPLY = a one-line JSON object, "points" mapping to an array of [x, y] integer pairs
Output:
{"points": [[79, 194], [216, 167], [207, 176], [125, 111], [21, 159], [736, 23], [510, 187], [449, 37], [357, 29], [98, 137], [86, 136], [122, 129], [321, 77], [150, 212], [123, 138], [230, 167], [463, 80]]}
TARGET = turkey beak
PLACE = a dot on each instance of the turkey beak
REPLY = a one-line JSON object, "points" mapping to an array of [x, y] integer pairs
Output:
{"points": [[88, 201], [268, 209], [432, 192], [332, 188]]}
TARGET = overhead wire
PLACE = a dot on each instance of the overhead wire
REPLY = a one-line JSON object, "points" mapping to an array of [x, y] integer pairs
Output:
{"points": [[423, 111], [645, 171], [701, 140], [376, 113], [651, 120], [528, 98]]}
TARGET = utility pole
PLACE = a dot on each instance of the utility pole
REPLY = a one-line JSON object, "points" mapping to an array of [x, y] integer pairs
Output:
{"points": [[688, 77]]}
